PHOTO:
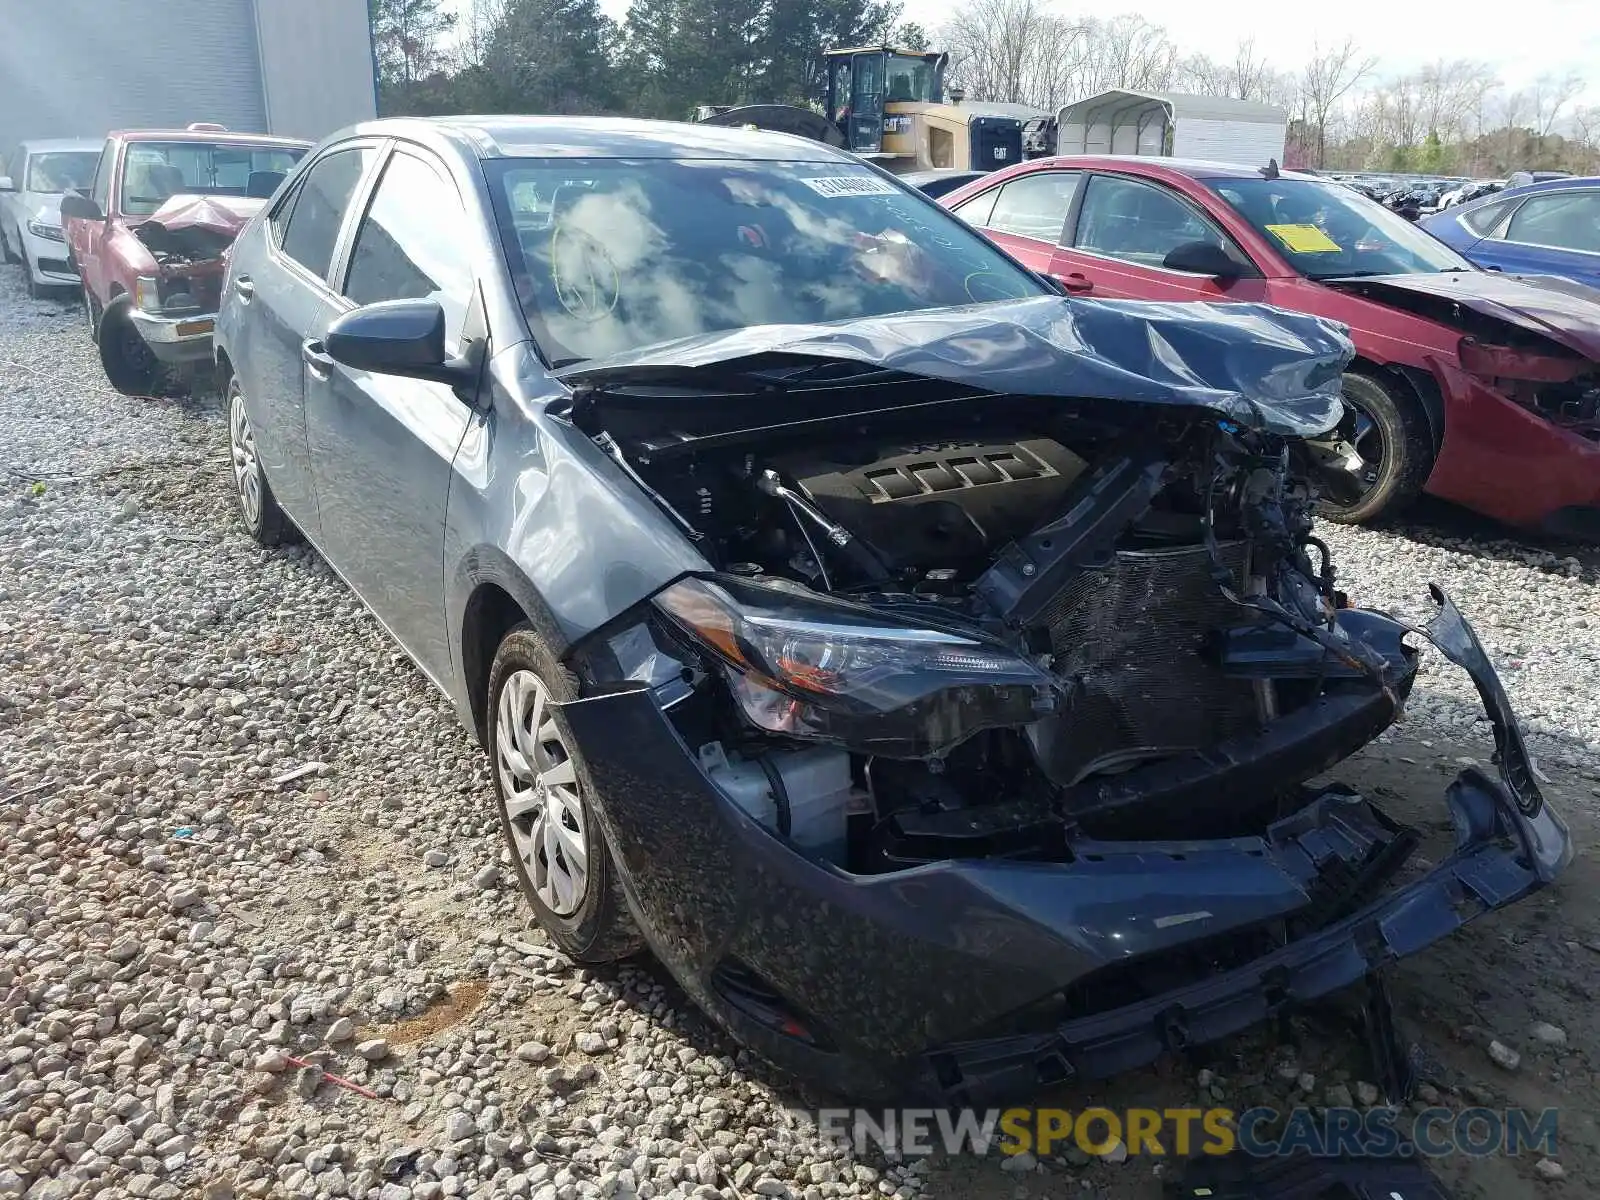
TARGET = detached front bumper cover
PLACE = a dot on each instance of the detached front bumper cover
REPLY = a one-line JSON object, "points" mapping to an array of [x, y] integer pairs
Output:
{"points": [[882, 986]]}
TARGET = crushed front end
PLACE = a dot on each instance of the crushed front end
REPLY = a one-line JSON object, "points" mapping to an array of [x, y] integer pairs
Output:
{"points": [[175, 304], [979, 759]]}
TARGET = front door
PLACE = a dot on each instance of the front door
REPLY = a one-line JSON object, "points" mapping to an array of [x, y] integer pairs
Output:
{"points": [[382, 447], [1026, 215], [866, 103], [1125, 230]]}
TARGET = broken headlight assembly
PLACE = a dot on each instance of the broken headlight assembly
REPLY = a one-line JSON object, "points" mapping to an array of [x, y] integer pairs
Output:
{"points": [[809, 667]]}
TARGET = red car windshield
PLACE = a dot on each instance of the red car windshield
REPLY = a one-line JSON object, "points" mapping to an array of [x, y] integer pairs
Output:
{"points": [[1327, 231], [154, 172]]}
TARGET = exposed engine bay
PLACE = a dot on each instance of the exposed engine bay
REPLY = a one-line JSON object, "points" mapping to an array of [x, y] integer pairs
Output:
{"points": [[989, 629]]}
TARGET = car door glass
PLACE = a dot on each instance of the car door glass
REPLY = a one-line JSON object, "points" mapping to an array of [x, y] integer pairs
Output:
{"points": [[278, 221], [1140, 222], [314, 223], [1482, 219], [412, 244], [100, 191], [976, 211], [1565, 221], [1036, 205]]}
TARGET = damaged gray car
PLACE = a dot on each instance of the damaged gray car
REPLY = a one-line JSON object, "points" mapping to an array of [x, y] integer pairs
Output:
{"points": [[925, 666]]}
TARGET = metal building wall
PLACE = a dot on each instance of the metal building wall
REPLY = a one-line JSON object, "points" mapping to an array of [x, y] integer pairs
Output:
{"points": [[316, 64], [78, 68]]}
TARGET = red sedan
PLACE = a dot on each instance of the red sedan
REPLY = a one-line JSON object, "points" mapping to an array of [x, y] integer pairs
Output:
{"points": [[1471, 385]]}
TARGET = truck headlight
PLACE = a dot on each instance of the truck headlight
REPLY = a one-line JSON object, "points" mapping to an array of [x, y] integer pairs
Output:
{"points": [[802, 664], [147, 294], [50, 233]]}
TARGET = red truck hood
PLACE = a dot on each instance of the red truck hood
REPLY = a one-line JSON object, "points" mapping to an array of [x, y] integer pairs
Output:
{"points": [[1567, 313], [197, 227]]}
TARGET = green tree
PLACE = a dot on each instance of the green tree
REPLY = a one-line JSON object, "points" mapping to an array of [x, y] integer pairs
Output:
{"points": [[798, 33], [407, 38], [680, 53], [911, 36], [547, 56], [1431, 159]]}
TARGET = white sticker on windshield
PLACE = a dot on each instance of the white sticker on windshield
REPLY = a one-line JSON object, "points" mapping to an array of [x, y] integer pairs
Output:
{"points": [[834, 186]]}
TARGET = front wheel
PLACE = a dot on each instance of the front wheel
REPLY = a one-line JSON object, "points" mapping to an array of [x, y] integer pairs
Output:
{"points": [[6, 252], [544, 793], [129, 363], [1392, 435]]}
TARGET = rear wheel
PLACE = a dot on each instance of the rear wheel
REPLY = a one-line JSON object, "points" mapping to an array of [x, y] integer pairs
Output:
{"points": [[258, 507], [560, 856], [1392, 435]]}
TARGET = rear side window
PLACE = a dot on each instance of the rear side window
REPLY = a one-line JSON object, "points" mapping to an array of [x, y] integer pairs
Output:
{"points": [[1565, 220], [412, 243], [1036, 205], [319, 208], [976, 211], [1482, 219]]}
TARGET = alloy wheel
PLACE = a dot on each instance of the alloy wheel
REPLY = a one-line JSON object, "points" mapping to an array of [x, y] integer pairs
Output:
{"points": [[1367, 440], [544, 809], [246, 469]]}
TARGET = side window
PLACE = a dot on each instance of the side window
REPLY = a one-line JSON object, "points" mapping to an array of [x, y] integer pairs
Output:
{"points": [[1140, 222], [976, 211], [1036, 205], [278, 222], [100, 192], [313, 223], [410, 245], [1566, 220], [1485, 217]]}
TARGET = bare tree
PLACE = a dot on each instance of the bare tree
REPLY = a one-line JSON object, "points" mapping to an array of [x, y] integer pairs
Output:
{"points": [[1325, 81], [1549, 95], [481, 19]]}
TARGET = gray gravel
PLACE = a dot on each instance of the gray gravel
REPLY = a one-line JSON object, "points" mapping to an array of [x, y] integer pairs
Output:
{"points": [[246, 852]]}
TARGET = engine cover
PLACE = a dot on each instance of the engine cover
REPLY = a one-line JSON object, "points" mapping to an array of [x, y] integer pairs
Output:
{"points": [[939, 504]]}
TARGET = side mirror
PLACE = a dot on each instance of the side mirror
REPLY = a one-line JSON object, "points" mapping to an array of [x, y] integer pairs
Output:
{"points": [[1203, 258], [81, 207], [397, 337], [6, 185]]}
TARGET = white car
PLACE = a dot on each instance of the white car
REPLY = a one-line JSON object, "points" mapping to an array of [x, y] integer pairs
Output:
{"points": [[30, 207]]}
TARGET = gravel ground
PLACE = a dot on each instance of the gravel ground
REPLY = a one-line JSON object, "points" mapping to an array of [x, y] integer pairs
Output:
{"points": [[247, 856]]}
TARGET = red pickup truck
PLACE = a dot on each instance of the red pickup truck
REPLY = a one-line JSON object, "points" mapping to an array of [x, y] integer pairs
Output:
{"points": [[148, 243]]}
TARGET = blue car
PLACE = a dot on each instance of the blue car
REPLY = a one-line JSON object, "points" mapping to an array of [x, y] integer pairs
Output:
{"points": [[1547, 228]]}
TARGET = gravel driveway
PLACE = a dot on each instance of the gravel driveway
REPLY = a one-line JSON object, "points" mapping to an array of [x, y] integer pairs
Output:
{"points": [[248, 857]]}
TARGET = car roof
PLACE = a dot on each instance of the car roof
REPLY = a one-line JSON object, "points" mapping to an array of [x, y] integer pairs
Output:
{"points": [[601, 137], [1562, 184], [212, 136], [1158, 166], [50, 145]]}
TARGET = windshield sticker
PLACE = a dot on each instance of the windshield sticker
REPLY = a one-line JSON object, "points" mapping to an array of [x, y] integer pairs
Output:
{"points": [[836, 186], [1305, 239]]}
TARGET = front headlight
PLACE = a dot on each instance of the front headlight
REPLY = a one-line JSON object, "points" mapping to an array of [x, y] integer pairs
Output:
{"points": [[147, 294], [50, 233], [801, 664]]}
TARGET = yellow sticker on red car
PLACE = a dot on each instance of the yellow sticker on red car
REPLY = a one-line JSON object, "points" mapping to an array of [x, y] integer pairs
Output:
{"points": [[1305, 239]]}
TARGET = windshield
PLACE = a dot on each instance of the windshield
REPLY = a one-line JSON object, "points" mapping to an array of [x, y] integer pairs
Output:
{"points": [[154, 172], [614, 254], [910, 79], [1326, 231], [59, 171]]}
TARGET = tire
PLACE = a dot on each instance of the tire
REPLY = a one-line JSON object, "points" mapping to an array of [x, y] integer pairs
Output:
{"points": [[263, 519], [591, 925], [36, 290], [91, 312], [1395, 438], [6, 252], [129, 364]]}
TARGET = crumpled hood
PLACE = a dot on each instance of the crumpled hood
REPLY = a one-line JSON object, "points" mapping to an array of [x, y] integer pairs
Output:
{"points": [[225, 215], [1563, 310], [1261, 367]]}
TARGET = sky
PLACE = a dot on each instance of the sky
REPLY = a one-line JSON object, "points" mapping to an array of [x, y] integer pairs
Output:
{"points": [[1520, 41]]}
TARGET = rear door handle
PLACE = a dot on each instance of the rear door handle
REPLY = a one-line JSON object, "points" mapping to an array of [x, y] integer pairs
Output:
{"points": [[244, 287], [1077, 281], [315, 355]]}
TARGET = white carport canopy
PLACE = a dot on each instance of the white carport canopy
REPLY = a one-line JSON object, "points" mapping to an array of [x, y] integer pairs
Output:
{"points": [[1129, 122]]}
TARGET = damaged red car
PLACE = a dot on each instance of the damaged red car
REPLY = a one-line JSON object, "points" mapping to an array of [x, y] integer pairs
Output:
{"points": [[1474, 386], [148, 243]]}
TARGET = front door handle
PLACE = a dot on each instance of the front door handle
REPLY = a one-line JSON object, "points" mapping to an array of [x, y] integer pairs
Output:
{"points": [[1077, 281], [244, 287], [315, 355]]}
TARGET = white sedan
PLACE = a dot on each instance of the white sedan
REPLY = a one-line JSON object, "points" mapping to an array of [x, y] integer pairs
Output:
{"points": [[30, 207]]}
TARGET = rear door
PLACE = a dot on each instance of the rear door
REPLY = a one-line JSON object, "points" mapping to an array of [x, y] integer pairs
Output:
{"points": [[1550, 233], [382, 446], [281, 291], [1124, 230], [1026, 215]]}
